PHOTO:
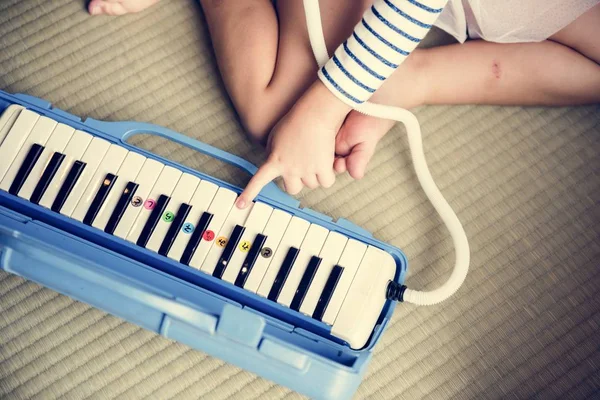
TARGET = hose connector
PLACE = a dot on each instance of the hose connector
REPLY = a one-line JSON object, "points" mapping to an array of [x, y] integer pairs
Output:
{"points": [[395, 291]]}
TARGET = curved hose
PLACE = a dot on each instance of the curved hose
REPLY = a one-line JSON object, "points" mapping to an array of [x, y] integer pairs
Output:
{"points": [[415, 141]]}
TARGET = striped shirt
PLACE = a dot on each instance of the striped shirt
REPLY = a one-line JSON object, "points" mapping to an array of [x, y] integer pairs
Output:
{"points": [[388, 32]]}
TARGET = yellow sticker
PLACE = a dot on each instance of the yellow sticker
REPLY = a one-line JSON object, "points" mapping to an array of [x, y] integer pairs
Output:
{"points": [[245, 246], [221, 241]]}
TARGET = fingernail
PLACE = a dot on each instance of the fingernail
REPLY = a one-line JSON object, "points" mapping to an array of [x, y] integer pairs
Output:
{"points": [[95, 10], [241, 203]]}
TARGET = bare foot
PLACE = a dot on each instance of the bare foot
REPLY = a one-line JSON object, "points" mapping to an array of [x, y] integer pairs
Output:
{"points": [[118, 7]]}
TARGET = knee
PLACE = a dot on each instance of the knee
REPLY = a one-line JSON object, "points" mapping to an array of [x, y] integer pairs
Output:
{"points": [[260, 108], [257, 118]]}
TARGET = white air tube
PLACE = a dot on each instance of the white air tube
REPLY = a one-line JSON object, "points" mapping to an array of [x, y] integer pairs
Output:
{"points": [[413, 130]]}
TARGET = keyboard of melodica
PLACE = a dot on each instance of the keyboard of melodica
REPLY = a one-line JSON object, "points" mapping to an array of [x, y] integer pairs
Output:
{"points": [[283, 258]]}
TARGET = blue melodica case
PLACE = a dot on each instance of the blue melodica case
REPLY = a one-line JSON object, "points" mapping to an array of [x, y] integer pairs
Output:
{"points": [[177, 301]]}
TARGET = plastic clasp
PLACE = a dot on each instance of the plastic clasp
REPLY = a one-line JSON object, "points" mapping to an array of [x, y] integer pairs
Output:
{"points": [[241, 326]]}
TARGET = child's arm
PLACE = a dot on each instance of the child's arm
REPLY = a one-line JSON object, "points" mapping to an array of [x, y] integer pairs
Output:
{"points": [[388, 32], [302, 143]]}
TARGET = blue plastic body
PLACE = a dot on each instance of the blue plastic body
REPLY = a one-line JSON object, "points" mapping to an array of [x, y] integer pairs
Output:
{"points": [[177, 301]]}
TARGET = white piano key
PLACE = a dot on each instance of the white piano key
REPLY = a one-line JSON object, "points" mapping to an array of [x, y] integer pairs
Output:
{"points": [[7, 120], [164, 186], [181, 194], [204, 194], [219, 208], [29, 128], [365, 299], [293, 237], [311, 246], [56, 143], [146, 179], [274, 231], [350, 260], [330, 255], [235, 217], [110, 164], [74, 150], [92, 157], [128, 171], [255, 223]]}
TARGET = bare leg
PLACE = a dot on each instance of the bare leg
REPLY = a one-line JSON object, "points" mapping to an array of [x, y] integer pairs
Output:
{"points": [[478, 72], [245, 39], [264, 55], [262, 51]]}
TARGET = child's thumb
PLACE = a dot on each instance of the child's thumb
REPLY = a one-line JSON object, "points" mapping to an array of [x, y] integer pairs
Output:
{"points": [[357, 161]]}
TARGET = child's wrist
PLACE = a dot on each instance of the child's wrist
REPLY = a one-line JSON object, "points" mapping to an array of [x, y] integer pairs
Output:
{"points": [[319, 107], [333, 101]]}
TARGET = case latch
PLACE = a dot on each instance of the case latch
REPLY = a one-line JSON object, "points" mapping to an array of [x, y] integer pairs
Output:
{"points": [[284, 354], [241, 325]]}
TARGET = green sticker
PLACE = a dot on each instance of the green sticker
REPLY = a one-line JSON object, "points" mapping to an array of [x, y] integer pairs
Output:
{"points": [[168, 216]]}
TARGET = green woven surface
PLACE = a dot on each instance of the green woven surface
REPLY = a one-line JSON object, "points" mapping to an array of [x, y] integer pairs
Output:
{"points": [[524, 182]]}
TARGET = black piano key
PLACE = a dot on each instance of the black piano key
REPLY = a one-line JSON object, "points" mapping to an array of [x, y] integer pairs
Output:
{"points": [[250, 259], [120, 208], [157, 212], [232, 243], [103, 191], [30, 159], [307, 278], [67, 186], [283, 273], [47, 176], [182, 213], [332, 281], [194, 241]]}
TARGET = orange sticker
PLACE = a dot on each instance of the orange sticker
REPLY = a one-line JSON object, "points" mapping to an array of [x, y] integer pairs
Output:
{"points": [[221, 241]]}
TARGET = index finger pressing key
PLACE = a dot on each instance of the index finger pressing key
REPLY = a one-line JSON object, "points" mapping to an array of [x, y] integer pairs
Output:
{"points": [[265, 174]]}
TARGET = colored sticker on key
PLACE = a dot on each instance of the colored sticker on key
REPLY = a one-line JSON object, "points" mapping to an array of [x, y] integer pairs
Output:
{"points": [[266, 252], [149, 204], [136, 201], [208, 235], [188, 228], [221, 241], [245, 246], [168, 216]]}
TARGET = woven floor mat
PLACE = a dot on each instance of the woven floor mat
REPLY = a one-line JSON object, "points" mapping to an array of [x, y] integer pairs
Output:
{"points": [[524, 182]]}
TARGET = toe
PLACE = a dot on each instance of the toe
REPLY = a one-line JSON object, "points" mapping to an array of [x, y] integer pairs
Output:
{"points": [[95, 7], [113, 7]]}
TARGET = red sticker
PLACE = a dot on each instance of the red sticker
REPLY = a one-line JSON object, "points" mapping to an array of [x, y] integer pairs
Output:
{"points": [[208, 235]]}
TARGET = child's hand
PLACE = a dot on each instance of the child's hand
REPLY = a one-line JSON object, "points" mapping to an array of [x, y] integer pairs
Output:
{"points": [[356, 141], [302, 145]]}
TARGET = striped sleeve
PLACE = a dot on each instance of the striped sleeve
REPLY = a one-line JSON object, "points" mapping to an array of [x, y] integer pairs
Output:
{"points": [[388, 32]]}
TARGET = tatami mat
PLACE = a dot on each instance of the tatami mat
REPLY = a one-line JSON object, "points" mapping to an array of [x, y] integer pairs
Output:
{"points": [[524, 182]]}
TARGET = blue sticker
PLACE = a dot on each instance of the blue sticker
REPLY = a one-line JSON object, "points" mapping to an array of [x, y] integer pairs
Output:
{"points": [[187, 228]]}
